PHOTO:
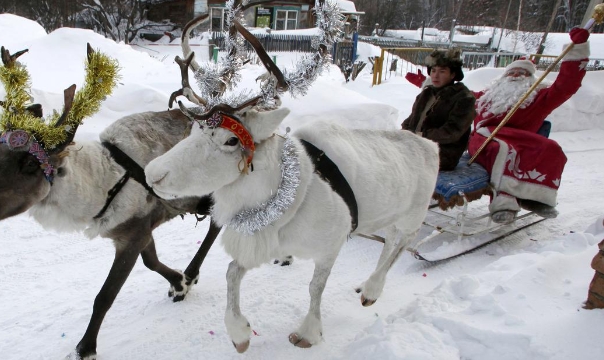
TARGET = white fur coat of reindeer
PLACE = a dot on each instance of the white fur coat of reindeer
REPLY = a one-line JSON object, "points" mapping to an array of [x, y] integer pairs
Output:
{"points": [[269, 193], [392, 175]]}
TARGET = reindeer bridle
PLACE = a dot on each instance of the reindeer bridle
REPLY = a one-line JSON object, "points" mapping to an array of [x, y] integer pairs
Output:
{"points": [[235, 126], [20, 140]]}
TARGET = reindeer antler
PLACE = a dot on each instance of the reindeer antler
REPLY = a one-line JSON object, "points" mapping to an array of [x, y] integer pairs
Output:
{"points": [[186, 89], [215, 79], [8, 59], [58, 131]]}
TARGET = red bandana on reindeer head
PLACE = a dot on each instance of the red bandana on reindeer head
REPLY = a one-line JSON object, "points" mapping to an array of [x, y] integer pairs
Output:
{"points": [[236, 127]]}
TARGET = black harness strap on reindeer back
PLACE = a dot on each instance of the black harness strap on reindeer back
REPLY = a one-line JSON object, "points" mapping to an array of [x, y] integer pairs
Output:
{"points": [[133, 170], [329, 172], [136, 171]]}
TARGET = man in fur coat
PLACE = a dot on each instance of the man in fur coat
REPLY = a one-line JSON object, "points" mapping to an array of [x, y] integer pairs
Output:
{"points": [[525, 167], [444, 110]]}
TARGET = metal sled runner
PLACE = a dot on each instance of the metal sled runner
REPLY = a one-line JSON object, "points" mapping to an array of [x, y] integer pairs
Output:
{"points": [[462, 229]]}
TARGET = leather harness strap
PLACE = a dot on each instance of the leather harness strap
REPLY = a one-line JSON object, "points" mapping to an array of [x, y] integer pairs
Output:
{"points": [[329, 172], [133, 170]]}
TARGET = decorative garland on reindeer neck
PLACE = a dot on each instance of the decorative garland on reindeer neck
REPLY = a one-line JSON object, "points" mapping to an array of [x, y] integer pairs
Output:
{"points": [[25, 130], [252, 220]]}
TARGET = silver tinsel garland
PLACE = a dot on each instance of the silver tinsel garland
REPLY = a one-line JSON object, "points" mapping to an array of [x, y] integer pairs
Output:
{"points": [[252, 220], [214, 78]]}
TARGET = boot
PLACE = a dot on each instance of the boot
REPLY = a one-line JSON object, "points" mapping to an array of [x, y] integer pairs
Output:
{"points": [[503, 216], [546, 211]]}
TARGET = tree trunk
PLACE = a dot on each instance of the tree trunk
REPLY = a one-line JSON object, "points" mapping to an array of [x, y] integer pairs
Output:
{"points": [[547, 29]]}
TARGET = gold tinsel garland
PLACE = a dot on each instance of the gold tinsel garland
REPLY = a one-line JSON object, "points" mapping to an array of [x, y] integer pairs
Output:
{"points": [[101, 77]]}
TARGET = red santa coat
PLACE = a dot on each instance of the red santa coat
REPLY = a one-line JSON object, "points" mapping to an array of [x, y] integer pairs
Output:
{"points": [[521, 162]]}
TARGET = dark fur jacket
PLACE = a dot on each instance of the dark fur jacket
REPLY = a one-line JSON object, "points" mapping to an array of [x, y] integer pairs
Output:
{"points": [[447, 122]]}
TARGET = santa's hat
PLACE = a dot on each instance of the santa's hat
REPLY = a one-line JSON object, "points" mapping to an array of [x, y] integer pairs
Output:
{"points": [[522, 63]]}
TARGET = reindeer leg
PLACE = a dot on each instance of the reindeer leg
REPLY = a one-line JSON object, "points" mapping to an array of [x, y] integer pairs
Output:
{"points": [[372, 288], [192, 271], [124, 261], [179, 283], [237, 325], [311, 330]]}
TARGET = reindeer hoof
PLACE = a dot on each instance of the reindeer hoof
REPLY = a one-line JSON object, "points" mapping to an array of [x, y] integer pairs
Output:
{"points": [[241, 348], [367, 302], [298, 341], [286, 261]]}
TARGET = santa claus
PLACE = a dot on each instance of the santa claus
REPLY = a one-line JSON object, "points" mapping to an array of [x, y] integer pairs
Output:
{"points": [[525, 167]]}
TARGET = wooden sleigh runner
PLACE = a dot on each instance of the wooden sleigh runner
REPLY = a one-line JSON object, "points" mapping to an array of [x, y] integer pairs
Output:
{"points": [[452, 227]]}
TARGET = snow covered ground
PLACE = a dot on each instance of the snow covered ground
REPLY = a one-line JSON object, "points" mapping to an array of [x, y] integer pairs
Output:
{"points": [[517, 299]]}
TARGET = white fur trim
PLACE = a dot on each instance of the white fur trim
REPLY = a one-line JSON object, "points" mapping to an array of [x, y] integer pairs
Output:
{"points": [[522, 64], [578, 52], [503, 202], [511, 185]]}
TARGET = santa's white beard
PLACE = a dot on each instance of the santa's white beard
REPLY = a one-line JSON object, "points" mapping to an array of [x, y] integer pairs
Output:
{"points": [[504, 93]]}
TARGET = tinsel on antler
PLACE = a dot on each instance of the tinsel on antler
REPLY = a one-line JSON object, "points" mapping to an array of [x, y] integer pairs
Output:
{"points": [[101, 77], [215, 79]]}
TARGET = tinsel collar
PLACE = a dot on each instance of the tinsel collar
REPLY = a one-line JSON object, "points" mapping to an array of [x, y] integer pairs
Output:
{"points": [[249, 221]]}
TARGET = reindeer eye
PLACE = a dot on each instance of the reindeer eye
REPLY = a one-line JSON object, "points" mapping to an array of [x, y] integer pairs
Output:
{"points": [[232, 141], [30, 165]]}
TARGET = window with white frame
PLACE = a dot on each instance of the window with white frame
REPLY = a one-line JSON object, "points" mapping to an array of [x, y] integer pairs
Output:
{"points": [[286, 20], [217, 18]]}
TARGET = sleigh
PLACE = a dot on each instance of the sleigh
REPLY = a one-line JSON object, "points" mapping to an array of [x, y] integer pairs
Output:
{"points": [[459, 227], [458, 221]]}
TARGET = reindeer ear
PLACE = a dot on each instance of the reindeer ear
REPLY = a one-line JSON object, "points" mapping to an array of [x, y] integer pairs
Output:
{"points": [[263, 124]]}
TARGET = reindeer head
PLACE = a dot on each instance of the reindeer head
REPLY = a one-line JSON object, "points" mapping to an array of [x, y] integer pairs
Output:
{"points": [[32, 148], [232, 126]]}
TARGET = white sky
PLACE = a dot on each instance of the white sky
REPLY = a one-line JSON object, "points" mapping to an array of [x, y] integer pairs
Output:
{"points": [[517, 299]]}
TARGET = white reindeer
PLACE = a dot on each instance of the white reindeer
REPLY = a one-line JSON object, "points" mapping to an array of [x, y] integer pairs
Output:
{"points": [[73, 196], [275, 195]]}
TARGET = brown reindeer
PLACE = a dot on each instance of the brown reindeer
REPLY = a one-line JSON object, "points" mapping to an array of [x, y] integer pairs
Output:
{"points": [[98, 188]]}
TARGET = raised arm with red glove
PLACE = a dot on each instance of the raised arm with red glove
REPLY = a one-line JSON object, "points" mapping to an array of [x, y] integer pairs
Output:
{"points": [[416, 79], [579, 35]]}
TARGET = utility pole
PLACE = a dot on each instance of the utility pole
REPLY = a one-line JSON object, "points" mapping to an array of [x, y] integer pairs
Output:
{"points": [[518, 25], [503, 24], [458, 9], [541, 47]]}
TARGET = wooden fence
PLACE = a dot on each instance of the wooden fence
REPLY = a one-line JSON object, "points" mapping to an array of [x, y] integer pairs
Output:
{"points": [[341, 52], [274, 42]]}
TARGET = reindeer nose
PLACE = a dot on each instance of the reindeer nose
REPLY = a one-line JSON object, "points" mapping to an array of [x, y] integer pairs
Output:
{"points": [[156, 179]]}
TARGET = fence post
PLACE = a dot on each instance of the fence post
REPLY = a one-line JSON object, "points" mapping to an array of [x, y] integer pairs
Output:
{"points": [[380, 67], [355, 42], [334, 53], [376, 60], [215, 54]]}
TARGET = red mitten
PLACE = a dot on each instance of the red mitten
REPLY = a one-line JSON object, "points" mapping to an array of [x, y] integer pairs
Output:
{"points": [[416, 79], [579, 35]]}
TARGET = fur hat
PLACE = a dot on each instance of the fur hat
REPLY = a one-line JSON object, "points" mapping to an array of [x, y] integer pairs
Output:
{"points": [[522, 63], [447, 58]]}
